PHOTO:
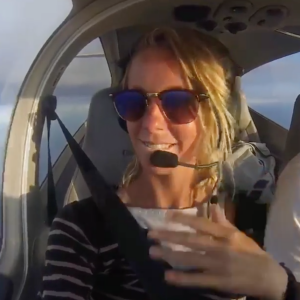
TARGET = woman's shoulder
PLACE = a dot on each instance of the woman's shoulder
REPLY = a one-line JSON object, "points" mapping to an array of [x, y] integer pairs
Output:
{"points": [[82, 216], [77, 209]]}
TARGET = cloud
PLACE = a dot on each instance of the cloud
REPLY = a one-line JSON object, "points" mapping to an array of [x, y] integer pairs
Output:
{"points": [[85, 72], [5, 113], [5, 117], [275, 82], [263, 101], [28, 24], [83, 78]]}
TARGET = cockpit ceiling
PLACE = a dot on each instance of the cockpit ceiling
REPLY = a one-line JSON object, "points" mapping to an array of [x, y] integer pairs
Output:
{"points": [[249, 50], [248, 28]]}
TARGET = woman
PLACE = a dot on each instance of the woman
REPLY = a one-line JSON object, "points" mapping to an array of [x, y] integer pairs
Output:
{"points": [[174, 98]]}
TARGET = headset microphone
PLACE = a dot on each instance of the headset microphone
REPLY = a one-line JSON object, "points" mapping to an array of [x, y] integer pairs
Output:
{"points": [[165, 159]]}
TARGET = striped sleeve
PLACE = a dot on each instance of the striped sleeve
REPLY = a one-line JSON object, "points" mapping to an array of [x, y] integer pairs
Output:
{"points": [[69, 260]]}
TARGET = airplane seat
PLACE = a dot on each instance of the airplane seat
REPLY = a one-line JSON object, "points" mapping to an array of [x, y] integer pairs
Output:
{"points": [[282, 234], [109, 147], [292, 144]]}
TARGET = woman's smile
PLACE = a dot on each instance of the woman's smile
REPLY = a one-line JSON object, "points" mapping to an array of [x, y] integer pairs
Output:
{"points": [[157, 146]]}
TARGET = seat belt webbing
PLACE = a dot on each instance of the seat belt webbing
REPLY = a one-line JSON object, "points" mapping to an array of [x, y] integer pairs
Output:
{"points": [[51, 194]]}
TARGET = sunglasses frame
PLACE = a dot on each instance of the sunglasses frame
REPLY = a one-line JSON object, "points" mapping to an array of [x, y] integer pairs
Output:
{"points": [[199, 97]]}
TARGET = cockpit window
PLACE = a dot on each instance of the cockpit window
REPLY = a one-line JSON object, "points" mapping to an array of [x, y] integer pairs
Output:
{"points": [[272, 89], [87, 73], [25, 26]]}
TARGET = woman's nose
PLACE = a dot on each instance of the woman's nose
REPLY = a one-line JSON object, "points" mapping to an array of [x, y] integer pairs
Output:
{"points": [[154, 118]]}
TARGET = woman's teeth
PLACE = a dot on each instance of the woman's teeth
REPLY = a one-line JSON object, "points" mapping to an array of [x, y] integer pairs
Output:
{"points": [[157, 146]]}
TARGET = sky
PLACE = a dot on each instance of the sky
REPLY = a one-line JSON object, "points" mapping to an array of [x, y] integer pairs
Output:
{"points": [[25, 26]]}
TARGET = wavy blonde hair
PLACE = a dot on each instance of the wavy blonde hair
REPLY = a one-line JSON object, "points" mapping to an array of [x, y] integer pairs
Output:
{"points": [[204, 61]]}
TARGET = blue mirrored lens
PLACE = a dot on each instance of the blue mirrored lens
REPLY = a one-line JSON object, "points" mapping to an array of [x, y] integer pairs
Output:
{"points": [[130, 105], [181, 107]]}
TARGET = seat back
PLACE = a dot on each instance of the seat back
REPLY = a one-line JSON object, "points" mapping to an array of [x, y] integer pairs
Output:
{"points": [[109, 146], [292, 145], [282, 234], [106, 144]]}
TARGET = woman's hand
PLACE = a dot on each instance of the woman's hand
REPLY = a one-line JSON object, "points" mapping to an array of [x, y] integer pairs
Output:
{"points": [[227, 259]]}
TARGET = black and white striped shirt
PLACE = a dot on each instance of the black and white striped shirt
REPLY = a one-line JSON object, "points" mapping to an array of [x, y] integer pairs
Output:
{"points": [[82, 261]]}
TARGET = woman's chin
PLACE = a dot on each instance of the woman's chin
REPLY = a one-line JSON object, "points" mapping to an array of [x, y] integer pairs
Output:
{"points": [[149, 169]]}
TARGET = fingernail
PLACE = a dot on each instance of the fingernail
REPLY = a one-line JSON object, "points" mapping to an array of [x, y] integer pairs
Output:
{"points": [[155, 252]]}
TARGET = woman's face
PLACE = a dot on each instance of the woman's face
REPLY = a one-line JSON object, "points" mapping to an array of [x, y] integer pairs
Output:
{"points": [[154, 70]]}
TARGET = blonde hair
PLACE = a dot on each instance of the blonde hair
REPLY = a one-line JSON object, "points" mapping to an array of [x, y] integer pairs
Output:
{"points": [[203, 60]]}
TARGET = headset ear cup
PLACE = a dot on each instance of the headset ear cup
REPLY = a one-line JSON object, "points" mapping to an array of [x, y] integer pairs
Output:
{"points": [[122, 124]]}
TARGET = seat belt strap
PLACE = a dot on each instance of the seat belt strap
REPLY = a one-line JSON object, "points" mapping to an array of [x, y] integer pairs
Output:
{"points": [[51, 193]]}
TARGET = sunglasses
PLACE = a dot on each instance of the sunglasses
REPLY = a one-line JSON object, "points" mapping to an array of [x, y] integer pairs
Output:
{"points": [[178, 105]]}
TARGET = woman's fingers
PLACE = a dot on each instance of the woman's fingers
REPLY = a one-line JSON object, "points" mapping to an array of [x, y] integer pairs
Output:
{"points": [[208, 281], [229, 262], [202, 225], [218, 216], [188, 239], [208, 235], [234, 284], [202, 280], [195, 260]]}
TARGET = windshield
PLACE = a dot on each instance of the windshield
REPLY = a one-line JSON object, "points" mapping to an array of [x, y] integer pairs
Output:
{"points": [[272, 89], [25, 25]]}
